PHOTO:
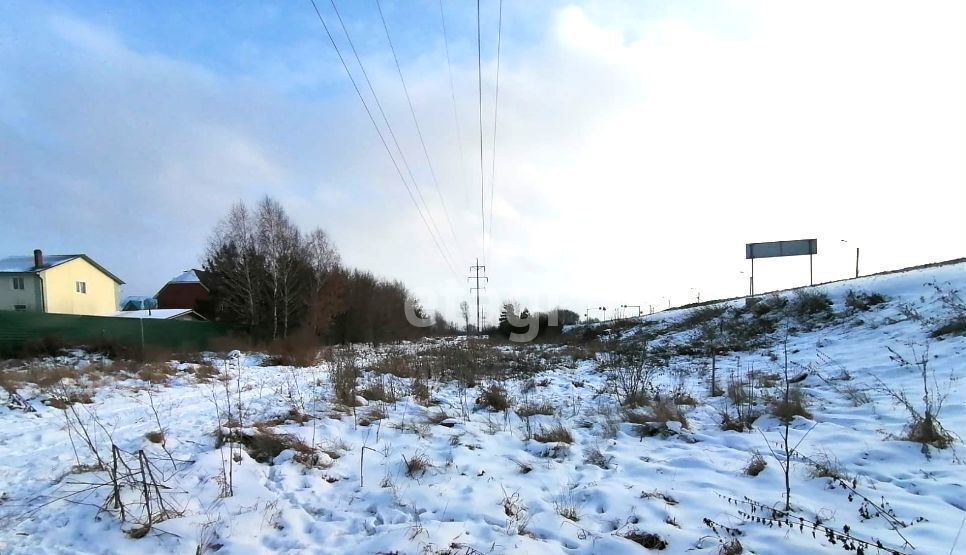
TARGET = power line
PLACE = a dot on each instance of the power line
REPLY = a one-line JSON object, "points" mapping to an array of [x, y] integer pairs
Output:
{"points": [[479, 81], [382, 138], [452, 90], [496, 115], [392, 134], [419, 131]]}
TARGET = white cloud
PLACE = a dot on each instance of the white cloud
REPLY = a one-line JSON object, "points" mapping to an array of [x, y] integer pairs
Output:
{"points": [[638, 151]]}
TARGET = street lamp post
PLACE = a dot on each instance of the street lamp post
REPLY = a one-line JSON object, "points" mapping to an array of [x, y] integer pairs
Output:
{"points": [[638, 307]]}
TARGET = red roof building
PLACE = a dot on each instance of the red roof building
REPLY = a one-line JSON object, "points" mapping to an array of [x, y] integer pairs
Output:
{"points": [[187, 290]]}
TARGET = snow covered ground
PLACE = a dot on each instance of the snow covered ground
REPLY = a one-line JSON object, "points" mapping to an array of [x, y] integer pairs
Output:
{"points": [[489, 486]]}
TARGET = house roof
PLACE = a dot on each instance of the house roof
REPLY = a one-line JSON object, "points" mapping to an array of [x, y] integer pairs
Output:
{"points": [[188, 276], [200, 277], [25, 264], [158, 313]]}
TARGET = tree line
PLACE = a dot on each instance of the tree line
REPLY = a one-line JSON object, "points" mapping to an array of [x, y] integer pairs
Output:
{"points": [[273, 281]]}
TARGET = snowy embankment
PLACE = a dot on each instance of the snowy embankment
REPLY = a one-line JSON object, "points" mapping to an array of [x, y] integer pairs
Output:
{"points": [[430, 470]]}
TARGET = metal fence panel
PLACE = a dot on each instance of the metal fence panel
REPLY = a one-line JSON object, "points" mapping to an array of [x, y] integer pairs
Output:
{"points": [[19, 328]]}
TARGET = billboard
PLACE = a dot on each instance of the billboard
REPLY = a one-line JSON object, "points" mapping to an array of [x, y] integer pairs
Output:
{"points": [[781, 248]]}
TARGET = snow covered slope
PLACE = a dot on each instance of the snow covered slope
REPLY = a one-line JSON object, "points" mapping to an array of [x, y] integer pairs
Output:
{"points": [[352, 484]]}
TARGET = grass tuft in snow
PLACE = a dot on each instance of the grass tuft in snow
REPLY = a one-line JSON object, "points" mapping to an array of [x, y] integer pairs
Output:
{"points": [[554, 434], [531, 408], [416, 466], [647, 540], [494, 397], [795, 405], [756, 465]]}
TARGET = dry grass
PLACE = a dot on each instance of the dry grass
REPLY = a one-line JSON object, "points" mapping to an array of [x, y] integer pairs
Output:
{"points": [[293, 415], [826, 465], [264, 445], [755, 465], [665, 411], [344, 374], [375, 413], [739, 423], [494, 397], [377, 390], [646, 540], [398, 364], [738, 392], [157, 373], [300, 350], [62, 401], [928, 431], [684, 398], [597, 458], [794, 406], [554, 434], [858, 396], [9, 381], [531, 408], [204, 372], [659, 495], [155, 436], [47, 376], [566, 506], [334, 447], [417, 465], [420, 391], [732, 547]]}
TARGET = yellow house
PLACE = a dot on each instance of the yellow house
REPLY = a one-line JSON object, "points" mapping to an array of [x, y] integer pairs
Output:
{"points": [[62, 284]]}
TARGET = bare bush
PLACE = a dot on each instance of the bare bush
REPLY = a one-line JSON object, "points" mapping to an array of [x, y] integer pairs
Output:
{"points": [[860, 301], [755, 465], [810, 303], [826, 465], [597, 458], [379, 390], [924, 426], [790, 405], [630, 374], [494, 397], [344, 374]]}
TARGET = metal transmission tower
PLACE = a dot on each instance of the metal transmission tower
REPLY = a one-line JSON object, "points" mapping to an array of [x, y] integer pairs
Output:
{"points": [[477, 267]]}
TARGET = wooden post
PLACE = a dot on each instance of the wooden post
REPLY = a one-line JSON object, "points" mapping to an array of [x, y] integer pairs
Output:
{"points": [[856, 261]]}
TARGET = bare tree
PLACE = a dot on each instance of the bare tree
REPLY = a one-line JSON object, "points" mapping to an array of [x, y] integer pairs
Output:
{"points": [[322, 255], [324, 260], [232, 255], [281, 244]]}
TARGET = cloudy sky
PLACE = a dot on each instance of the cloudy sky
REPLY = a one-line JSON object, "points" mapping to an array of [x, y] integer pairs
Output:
{"points": [[639, 145]]}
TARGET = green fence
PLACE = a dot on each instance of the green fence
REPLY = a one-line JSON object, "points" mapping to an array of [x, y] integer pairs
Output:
{"points": [[18, 329]]}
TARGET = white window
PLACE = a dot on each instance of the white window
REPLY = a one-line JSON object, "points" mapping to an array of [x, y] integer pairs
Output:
{"points": [[82, 287], [20, 307], [18, 283]]}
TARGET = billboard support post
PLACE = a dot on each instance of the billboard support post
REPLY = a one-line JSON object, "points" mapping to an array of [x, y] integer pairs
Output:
{"points": [[751, 280], [784, 248]]}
